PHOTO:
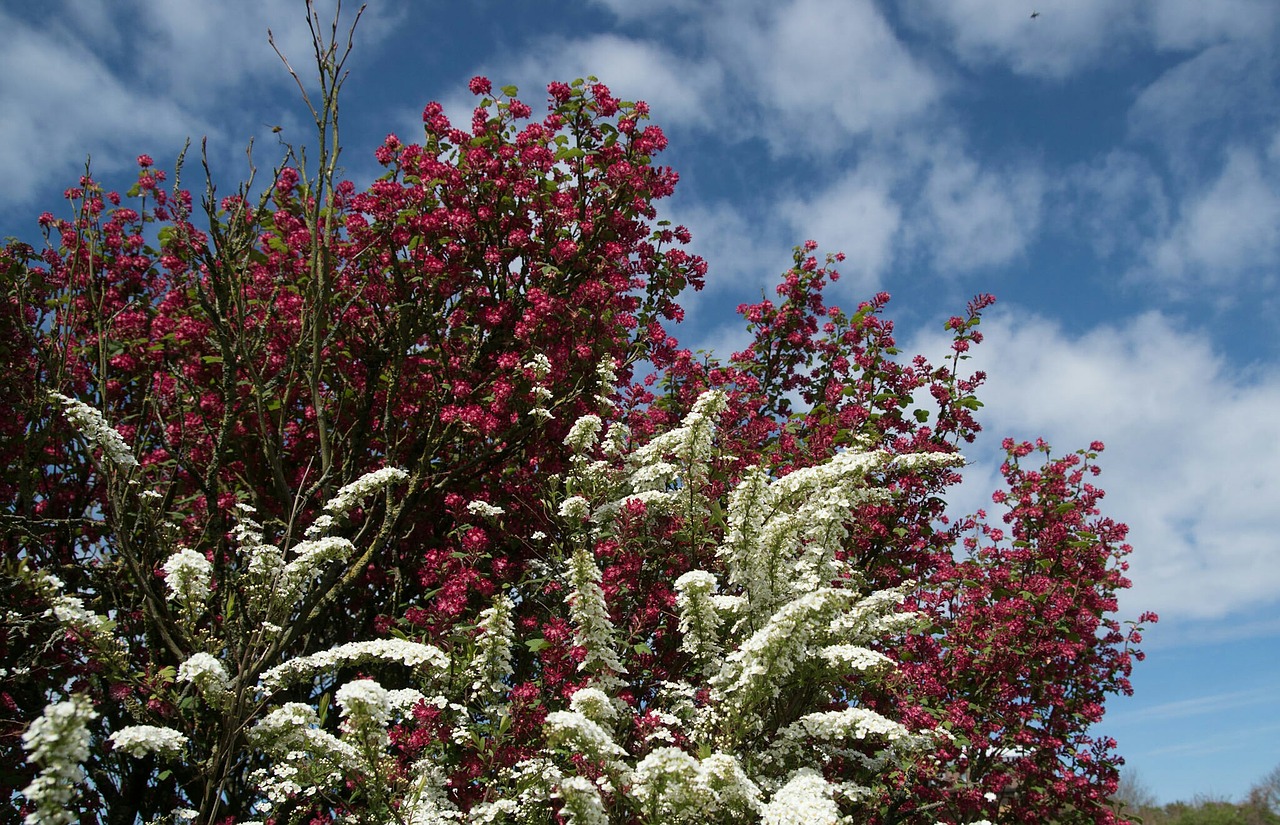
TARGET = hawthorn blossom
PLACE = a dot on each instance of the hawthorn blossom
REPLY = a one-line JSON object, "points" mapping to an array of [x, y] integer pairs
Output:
{"points": [[360, 489], [575, 508], [484, 509], [140, 740], [492, 663], [187, 575], [583, 434], [582, 802], [405, 652], [94, 428], [57, 741], [806, 799], [699, 619], [207, 674], [592, 628]]}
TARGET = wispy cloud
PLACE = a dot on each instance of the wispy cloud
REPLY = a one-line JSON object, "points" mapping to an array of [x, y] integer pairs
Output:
{"points": [[1217, 703], [1190, 459]]}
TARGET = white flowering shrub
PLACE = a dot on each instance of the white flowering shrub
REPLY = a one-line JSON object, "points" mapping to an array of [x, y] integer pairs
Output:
{"points": [[763, 724]]}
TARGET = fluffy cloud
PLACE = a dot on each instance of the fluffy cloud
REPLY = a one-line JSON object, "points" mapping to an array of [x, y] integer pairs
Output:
{"points": [[824, 72], [1065, 38], [1228, 230], [857, 215], [1190, 460], [972, 216], [62, 104], [144, 78], [679, 91]]}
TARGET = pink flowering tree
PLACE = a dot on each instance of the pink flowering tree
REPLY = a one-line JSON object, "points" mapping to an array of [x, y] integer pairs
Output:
{"points": [[322, 503]]}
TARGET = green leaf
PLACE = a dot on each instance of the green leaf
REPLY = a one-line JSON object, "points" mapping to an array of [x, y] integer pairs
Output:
{"points": [[535, 645], [510, 91]]}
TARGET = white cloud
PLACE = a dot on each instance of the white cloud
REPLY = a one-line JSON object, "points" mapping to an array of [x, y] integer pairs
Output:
{"points": [[1117, 202], [1229, 230], [971, 216], [198, 48], [61, 104], [857, 215], [1187, 24], [824, 71], [1063, 39], [678, 90], [1191, 454], [143, 79]]}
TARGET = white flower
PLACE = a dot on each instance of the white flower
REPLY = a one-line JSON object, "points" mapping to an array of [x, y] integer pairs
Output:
{"points": [[492, 663], [539, 365], [575, 508], [582, 803], [360, 489], [57, 741], [95, 429], [699, 620], [208, 675], [187, 574], [140, 740], [854, 657], [806, 799], [593, 704], [592, 627], [312, 556], [351, 653], [583, 434], [484, 508], [576, 731], [364, 699]]}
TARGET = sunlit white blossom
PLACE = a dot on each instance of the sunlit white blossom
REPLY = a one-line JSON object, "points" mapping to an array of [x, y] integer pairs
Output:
{"points": [[492, 663], [583, 434], [368, 484], [592, 628], [58, 742], [582, 803], [390, 650], [575, 509], [574, 730], [485, 509], [140, 740], [95, 429], [187, 575], [806, 799], [207, 673]]}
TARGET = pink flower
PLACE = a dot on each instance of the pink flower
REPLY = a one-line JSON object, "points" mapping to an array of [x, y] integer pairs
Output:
{"points": [[480, 85]]}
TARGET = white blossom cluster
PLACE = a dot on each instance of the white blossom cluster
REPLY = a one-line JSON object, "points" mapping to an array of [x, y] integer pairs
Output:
{"points": [[366, 702], [593, 630], [411, 654], [95, 429], [360, 489], [58, 742], [484, 509], [187, 574], [71, 611], [583, 434], [540, 366], [207, 674], [492, 663], [140, 740], [791, 620]]}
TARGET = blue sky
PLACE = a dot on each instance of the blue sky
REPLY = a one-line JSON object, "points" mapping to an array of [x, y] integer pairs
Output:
{"points": [[1111, 171]]}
